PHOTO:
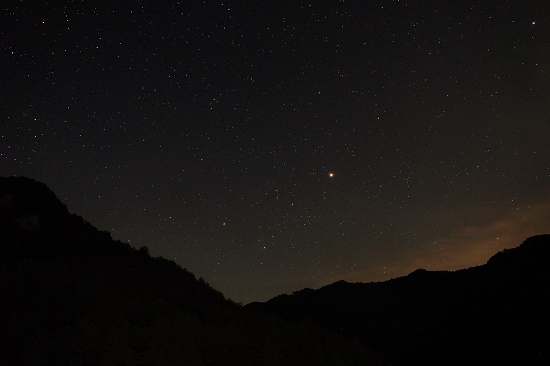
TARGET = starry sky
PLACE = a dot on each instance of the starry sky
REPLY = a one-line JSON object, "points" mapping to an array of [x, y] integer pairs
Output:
{"points": [[269, 146]]}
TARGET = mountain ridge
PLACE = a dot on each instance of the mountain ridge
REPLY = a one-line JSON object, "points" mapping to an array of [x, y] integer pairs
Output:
{"points": [[421, 318], [71, 295]]}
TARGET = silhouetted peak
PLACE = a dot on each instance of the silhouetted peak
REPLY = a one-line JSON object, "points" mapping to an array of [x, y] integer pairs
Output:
{"points": [[341, 282], [34, 223], [28, 202], [337, 284], [535, 249], [537, 241], [419, 272]]}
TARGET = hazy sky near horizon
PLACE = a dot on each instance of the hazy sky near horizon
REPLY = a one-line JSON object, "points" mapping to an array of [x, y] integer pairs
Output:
{"points": [[269, 146]]}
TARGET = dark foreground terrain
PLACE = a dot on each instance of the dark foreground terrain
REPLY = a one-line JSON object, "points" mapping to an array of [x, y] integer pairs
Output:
{"points": [[494, 314], [70, 295]]}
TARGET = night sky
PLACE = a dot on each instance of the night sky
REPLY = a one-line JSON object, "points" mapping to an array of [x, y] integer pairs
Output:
{"points": [[269, 146]]}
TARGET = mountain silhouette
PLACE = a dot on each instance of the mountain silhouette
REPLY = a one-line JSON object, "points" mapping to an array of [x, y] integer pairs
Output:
{"points": [[493, 314], [71, 295]]}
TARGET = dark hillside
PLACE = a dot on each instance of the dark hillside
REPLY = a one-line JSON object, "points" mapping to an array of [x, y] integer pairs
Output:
{"points": [[70, 295], [495, 314]]}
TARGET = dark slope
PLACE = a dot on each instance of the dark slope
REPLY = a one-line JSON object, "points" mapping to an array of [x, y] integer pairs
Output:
{"points": [[495, 314], [70, 295]]}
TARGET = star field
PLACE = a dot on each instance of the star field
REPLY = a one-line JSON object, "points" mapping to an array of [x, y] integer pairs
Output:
{"points": [[269, 146]]}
